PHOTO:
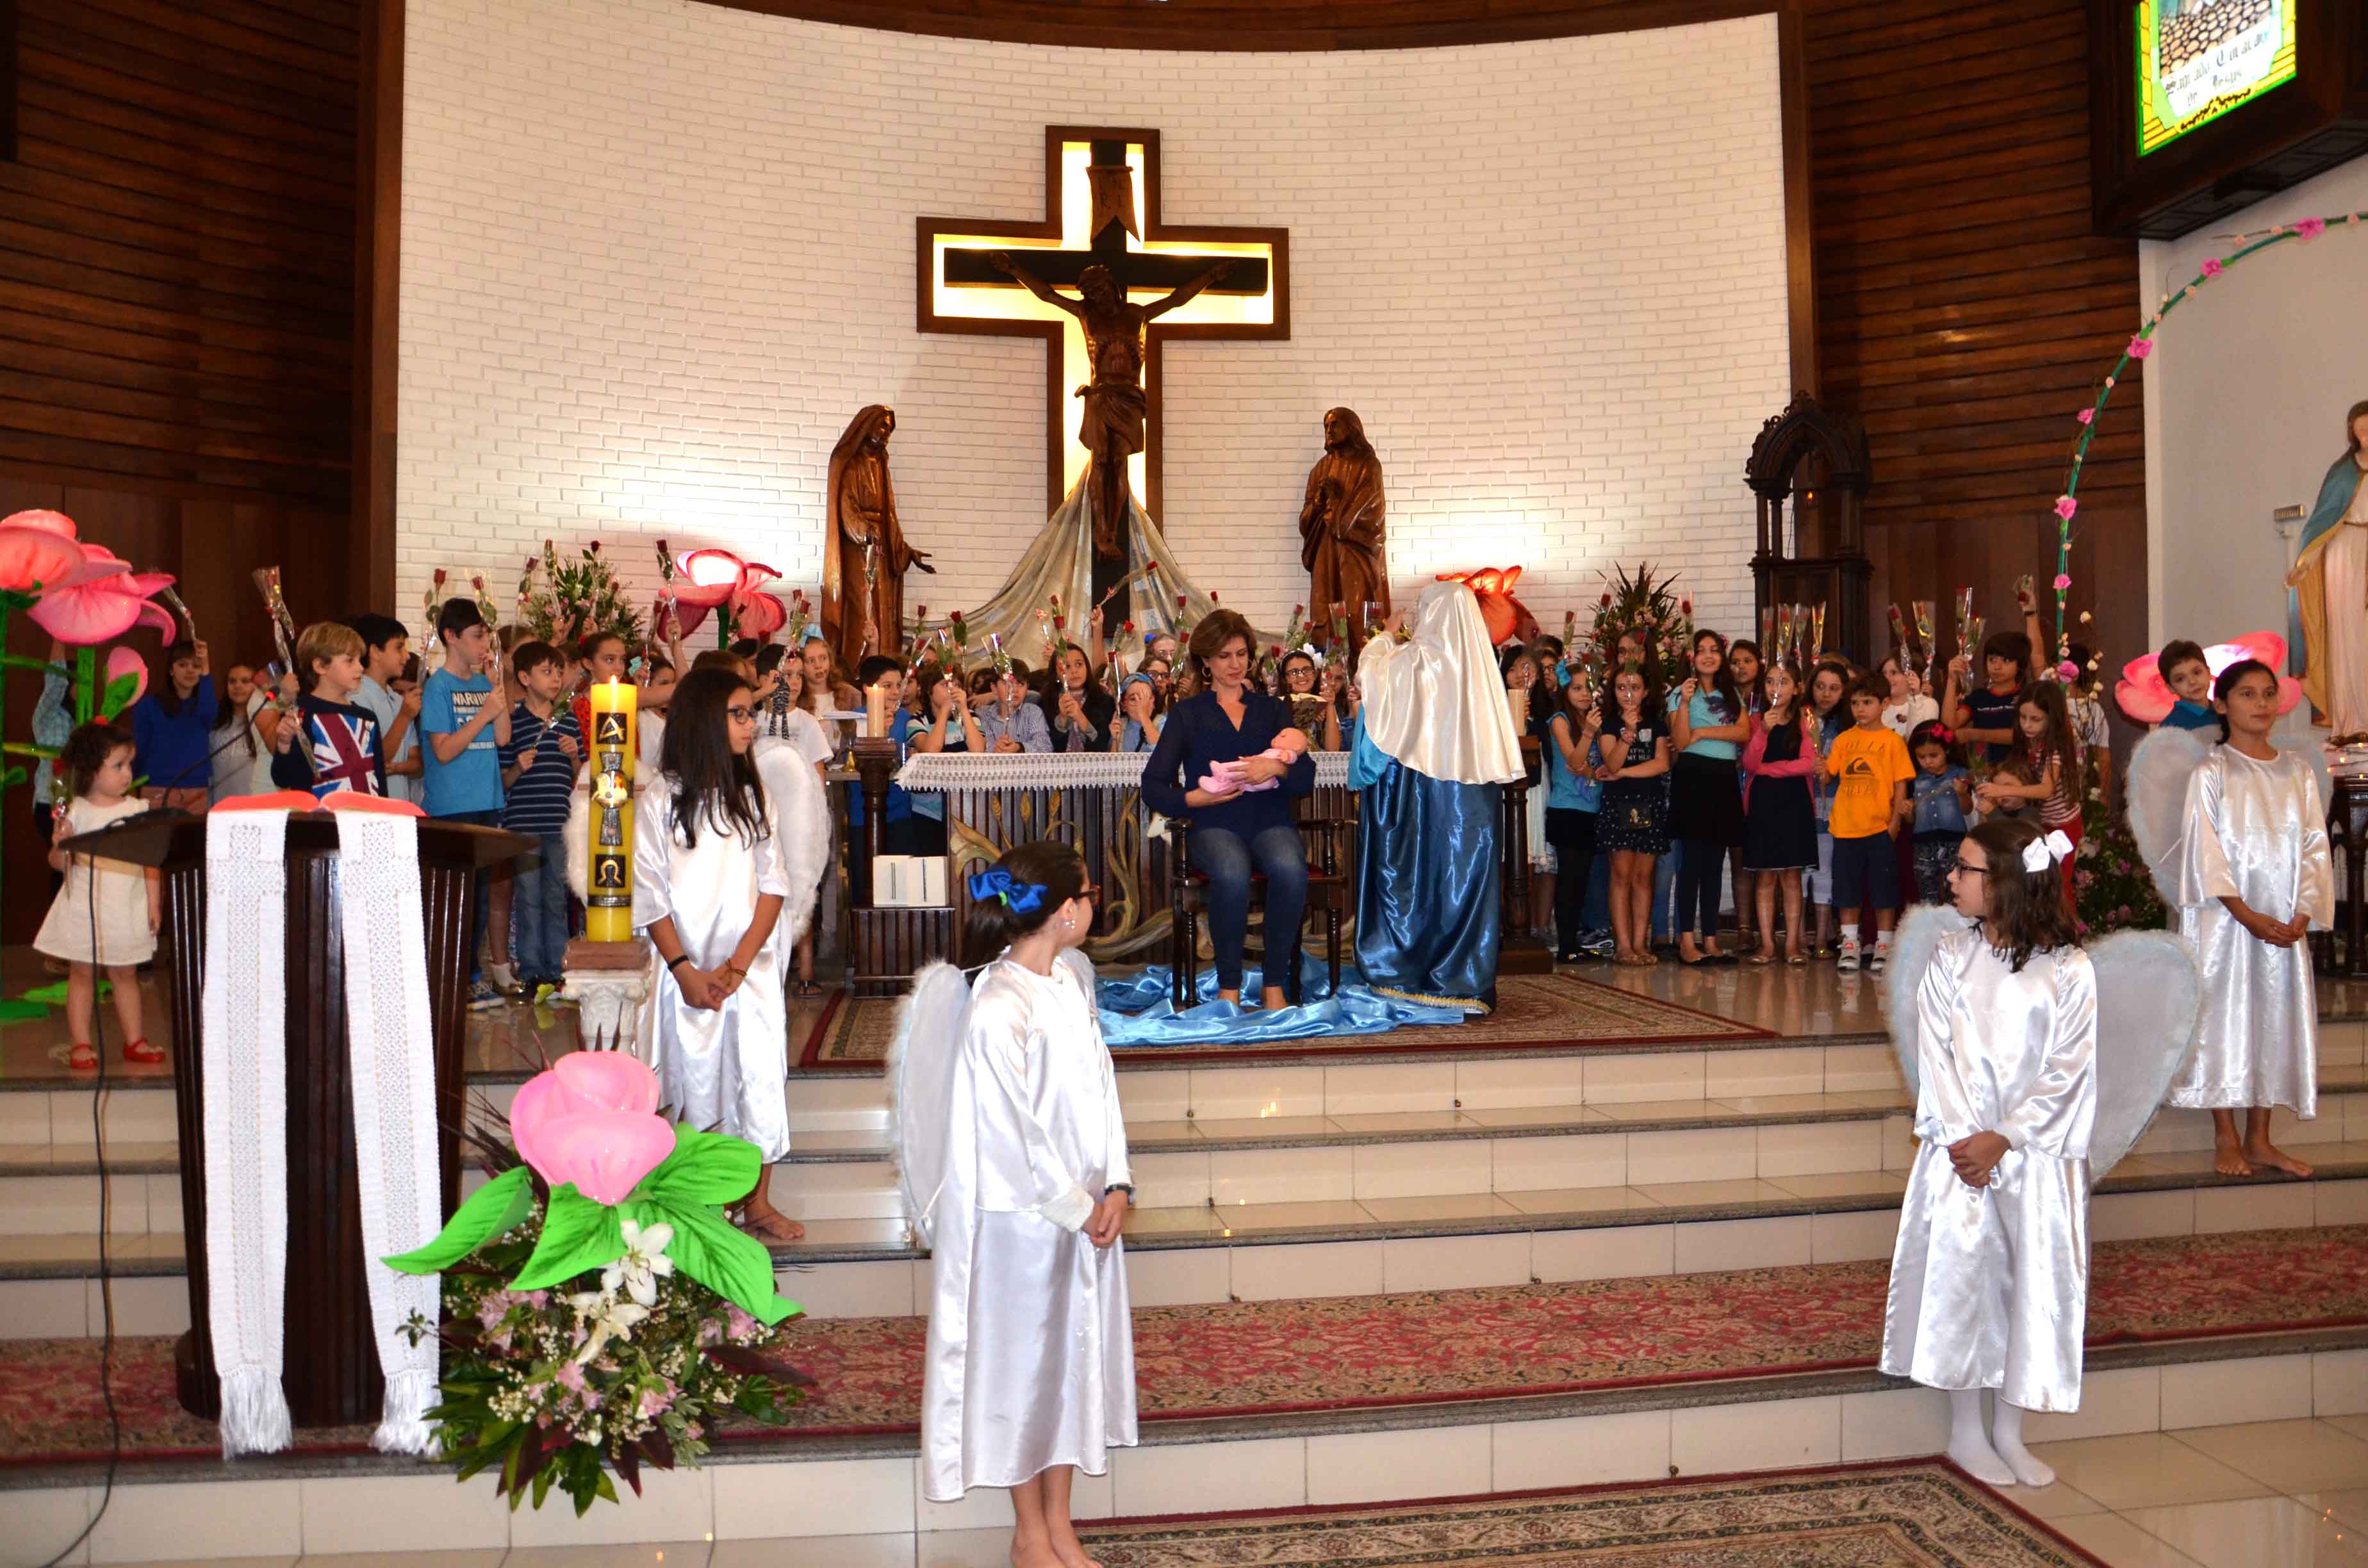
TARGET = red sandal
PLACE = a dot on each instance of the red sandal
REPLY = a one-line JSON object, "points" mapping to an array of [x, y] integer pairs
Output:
{"points": [[140, 1054], [82, 1058]]}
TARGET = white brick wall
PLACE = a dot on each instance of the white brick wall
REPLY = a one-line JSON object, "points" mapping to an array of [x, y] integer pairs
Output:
{"points": [[657, 253]]}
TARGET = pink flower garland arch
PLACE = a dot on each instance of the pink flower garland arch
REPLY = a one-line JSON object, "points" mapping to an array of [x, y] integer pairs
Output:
{"points": [[2140, 347]]}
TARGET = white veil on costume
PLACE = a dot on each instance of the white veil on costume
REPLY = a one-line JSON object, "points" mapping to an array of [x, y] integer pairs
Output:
{"points": [[1437, 704]]}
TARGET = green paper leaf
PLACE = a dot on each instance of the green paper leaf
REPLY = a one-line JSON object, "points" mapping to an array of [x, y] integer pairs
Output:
{"points": [[577, 1233], [720, 1256], [493, 1209], [705, 1168], [118, 696]]}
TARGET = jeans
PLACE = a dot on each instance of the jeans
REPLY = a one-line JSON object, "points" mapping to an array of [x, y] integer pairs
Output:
{"points": [[1664, 877], [539, 911], [1228, 862], [480, 900]]}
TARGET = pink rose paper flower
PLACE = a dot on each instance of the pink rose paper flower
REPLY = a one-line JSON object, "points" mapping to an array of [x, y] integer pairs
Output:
{"points": [[2213, 267], [2310, 229], [2062, 581], [2067, 670], [2140, 347], [2065, 507], [2087, 415]]}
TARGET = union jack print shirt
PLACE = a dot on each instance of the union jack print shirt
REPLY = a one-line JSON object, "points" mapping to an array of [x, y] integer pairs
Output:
{"points": [[336, 749]]}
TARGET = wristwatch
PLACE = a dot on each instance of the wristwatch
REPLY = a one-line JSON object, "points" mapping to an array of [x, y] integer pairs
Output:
{"points": [[1121, 1187]]}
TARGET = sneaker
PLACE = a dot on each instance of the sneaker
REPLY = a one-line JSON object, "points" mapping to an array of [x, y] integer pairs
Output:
{"points": [[1597, 944], [1877, 960], [483, 997], [1847, 962]]}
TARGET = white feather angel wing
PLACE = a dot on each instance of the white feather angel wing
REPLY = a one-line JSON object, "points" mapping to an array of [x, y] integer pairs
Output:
{"points": [[2147, 993], [801, 819], [2159, 769], [922, 1090], [1912, 946]]}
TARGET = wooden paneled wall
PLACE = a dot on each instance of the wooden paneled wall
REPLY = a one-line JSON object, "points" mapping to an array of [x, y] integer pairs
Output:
{"points": [[1965, 311], [176, 278]]}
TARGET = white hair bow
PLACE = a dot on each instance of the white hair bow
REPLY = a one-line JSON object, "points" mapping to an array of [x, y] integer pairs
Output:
{"points": [[2041, 853]]}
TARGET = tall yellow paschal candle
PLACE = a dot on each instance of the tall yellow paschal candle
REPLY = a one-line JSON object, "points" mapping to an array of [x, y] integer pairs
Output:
{"points": [[608, 909]]}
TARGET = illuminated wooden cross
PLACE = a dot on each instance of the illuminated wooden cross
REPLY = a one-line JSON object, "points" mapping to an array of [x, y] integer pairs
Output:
{"points": [[1093, 178]]}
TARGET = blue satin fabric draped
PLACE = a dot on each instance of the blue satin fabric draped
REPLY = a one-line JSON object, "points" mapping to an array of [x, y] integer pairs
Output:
{"points": [[1137, 1011], [1428, 916]]}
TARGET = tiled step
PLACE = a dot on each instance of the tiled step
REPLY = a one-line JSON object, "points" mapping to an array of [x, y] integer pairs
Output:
{"points": [[1289, 1250], [840, 1498]]}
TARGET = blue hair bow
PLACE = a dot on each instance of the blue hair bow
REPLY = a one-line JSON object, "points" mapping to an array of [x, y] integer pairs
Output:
{"points": [[1020, 898]]}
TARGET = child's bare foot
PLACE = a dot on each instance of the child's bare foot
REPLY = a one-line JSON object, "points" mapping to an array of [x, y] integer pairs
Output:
{"points": [[1068, 1548], [2228, 1158], [2262, 1152], [1034, 1554]]}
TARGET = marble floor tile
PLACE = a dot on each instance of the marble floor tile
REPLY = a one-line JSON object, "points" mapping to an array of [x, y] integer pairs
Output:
{"points": [[2292, 1455], [2254, 1532], [2146, 1470]]}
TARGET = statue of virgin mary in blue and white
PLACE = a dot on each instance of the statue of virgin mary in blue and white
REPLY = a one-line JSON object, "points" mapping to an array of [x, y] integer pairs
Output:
{"points": [[1435, 747]]}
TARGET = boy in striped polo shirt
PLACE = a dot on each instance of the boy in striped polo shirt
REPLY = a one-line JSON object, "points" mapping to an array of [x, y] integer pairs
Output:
{"points": [[539, 776]]}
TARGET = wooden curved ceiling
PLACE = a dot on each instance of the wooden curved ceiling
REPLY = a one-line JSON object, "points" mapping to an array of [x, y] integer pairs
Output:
{"points": [[1256, 24]]}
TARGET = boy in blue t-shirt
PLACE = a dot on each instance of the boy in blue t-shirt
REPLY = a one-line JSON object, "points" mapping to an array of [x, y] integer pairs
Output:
{"points": [[538, 764], [2188, 674], [465, 726]]}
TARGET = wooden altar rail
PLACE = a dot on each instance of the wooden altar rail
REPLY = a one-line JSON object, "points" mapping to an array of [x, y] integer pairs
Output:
{"points": [[1093, 800]]}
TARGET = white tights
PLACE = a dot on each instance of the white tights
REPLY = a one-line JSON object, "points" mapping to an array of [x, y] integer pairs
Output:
{"points": [[1998, 1459]]}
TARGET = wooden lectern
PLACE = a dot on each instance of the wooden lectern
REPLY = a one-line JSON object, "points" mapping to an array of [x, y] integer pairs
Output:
{"points": [[331, 1374]]}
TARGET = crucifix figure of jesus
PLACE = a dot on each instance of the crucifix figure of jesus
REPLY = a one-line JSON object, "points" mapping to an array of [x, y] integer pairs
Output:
{"points": [[1112, 424], [1104, 282]]}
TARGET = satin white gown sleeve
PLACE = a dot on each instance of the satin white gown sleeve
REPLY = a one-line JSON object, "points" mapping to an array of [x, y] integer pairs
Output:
{"points": [[1030, 1348], [2257, 831], [728, 1069], [1989, 1286]]}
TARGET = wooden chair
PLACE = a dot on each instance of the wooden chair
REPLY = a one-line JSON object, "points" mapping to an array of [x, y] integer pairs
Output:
{"points": [[1330, 889]]}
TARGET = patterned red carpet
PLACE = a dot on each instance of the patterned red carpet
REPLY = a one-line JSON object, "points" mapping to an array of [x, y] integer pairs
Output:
{"points": [[1247, 1359], [1923, 1514]]}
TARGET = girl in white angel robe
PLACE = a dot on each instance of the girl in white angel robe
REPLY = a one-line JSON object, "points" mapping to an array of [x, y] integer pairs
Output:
{"points": [[1990, 1283], [711, 874], [1012, 1150], [2253, 872]]}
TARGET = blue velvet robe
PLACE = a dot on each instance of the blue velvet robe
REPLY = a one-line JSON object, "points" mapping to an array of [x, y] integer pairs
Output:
{"points": [[1429, 917]]}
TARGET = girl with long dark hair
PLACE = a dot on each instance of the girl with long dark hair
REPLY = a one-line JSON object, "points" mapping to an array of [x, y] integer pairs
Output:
{"points": [[1708, 725], [2254, 874], [710, 880], [172, 732], [1632, 821]]}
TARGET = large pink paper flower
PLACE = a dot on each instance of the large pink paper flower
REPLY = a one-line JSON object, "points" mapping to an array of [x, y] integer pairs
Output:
{"points": [[714, 578], [101, 600], [591, 1120], [2145, 698], [37, 548]]}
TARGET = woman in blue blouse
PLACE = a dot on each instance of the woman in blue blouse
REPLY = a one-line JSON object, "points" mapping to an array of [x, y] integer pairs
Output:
{"points": [[1240, 832]]}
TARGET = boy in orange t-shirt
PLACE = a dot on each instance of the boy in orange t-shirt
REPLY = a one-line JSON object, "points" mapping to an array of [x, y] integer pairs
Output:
{"points": [[1872, 768]]}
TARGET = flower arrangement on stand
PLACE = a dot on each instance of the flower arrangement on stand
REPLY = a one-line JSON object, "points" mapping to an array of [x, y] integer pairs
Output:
{"points": [[600, 1310], [1649, 614], [561, 602], [2110, 889]]}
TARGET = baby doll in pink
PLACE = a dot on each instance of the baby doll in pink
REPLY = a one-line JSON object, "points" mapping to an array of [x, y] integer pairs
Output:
{"points": [[1226, 777]]}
